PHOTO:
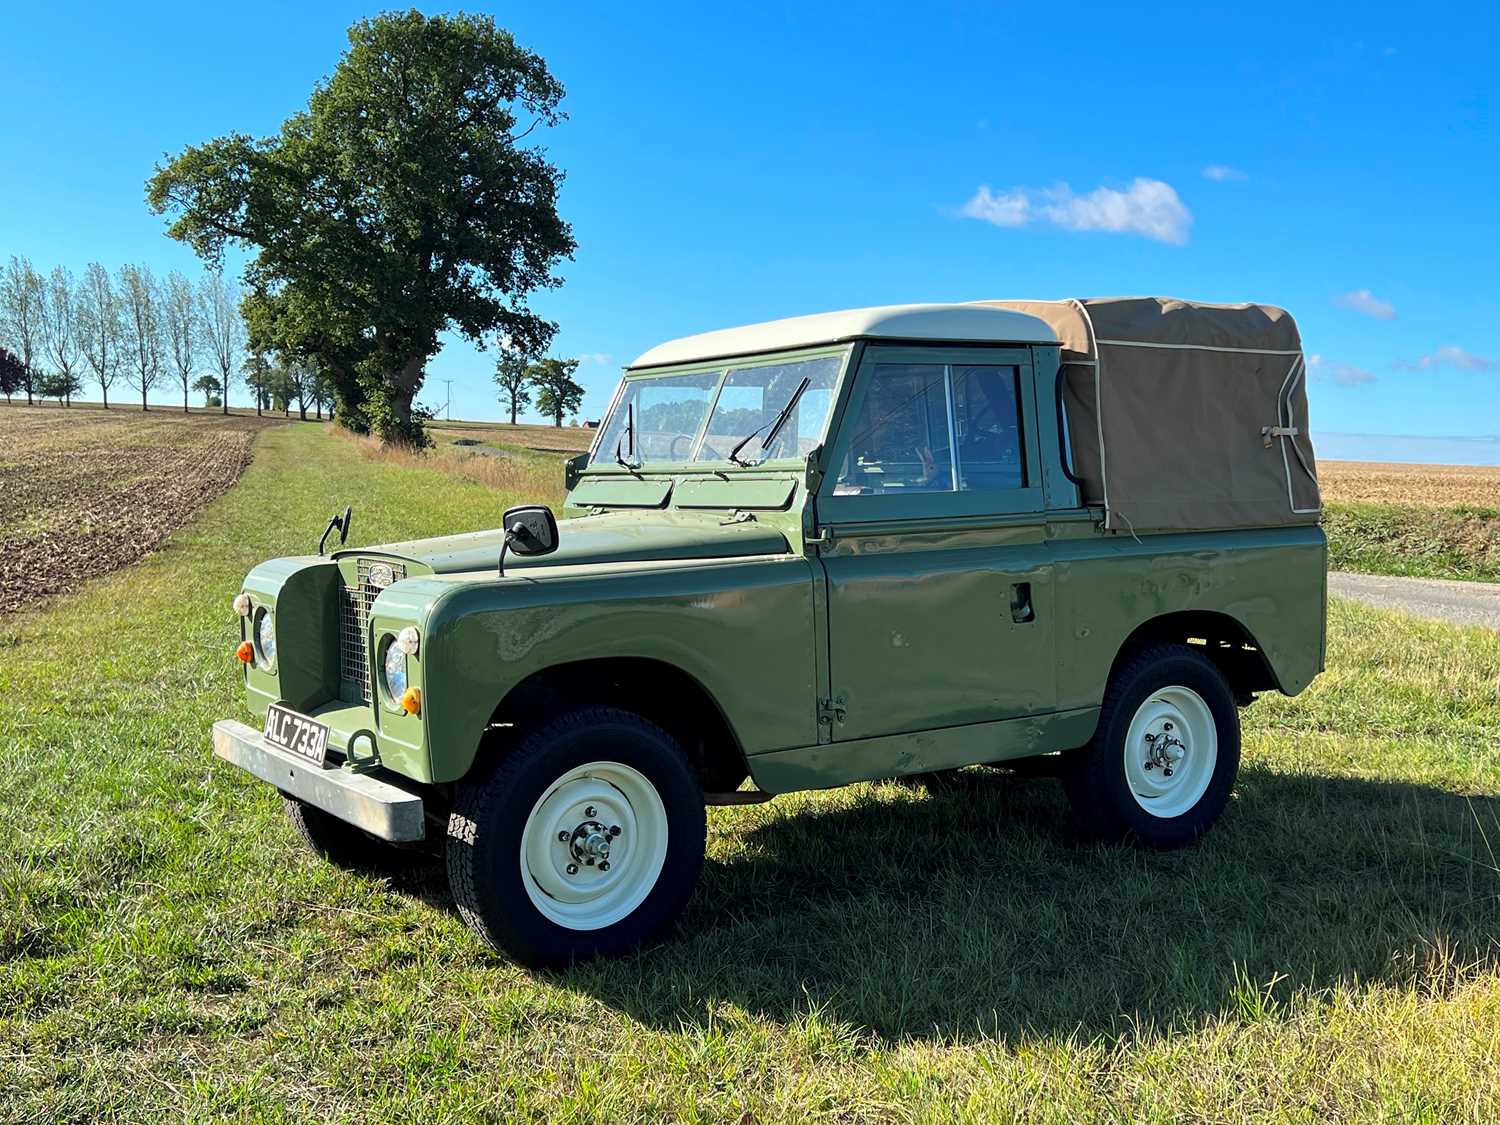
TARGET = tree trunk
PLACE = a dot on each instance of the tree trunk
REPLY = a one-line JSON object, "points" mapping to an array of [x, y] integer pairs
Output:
{"points": [[224, 390], [512, 412], [302, 410], [143, 396], [558, 420], [184, 398], [404, 389], [104, 391]]}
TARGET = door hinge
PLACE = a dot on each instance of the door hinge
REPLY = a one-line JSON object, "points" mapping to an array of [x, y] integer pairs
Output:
{"points": [[831, 711]]}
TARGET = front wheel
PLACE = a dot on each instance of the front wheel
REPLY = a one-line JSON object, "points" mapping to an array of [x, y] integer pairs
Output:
{"points": [[1164, 757], [343, 844], [585, 840]]}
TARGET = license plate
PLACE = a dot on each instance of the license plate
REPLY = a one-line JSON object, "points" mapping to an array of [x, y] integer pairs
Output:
{"points": [[307, 738]]}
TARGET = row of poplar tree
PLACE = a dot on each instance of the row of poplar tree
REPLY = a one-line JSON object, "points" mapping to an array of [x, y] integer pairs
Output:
{"points": [[60, 334]]}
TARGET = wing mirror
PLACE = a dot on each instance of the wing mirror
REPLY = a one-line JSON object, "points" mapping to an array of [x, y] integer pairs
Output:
{"points": [[529, 530]]}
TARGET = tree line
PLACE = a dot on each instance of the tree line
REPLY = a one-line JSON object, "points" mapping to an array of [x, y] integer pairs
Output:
{"points": [[59, 334]]}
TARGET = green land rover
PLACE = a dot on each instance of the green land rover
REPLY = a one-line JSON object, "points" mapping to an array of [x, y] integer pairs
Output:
{"points": [[839, 547]]}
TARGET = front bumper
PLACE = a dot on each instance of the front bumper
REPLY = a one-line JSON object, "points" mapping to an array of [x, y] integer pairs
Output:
{"points": [[360, 799]]}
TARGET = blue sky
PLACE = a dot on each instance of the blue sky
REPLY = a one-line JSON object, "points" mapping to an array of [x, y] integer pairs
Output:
{"points": [[727, 165]]}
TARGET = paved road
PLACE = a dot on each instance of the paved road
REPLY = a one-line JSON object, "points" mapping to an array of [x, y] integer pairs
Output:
{"points": [[1462, 603]]}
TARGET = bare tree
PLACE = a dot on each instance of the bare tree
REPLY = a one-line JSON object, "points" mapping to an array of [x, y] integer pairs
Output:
{"points": [[100, 331], [141, 301], [223, 327], [21, 289], [60, 330], [180, 320]]}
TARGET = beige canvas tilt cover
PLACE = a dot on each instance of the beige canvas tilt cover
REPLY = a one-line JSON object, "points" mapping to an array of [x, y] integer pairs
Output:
{"points": [[1185, 415]]}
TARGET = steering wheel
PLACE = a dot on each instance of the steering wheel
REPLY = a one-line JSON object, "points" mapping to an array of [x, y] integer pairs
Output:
{"points": [[672, 448]]}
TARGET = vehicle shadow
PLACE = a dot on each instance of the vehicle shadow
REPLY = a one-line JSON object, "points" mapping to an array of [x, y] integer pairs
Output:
{"points": [[970, 910]]}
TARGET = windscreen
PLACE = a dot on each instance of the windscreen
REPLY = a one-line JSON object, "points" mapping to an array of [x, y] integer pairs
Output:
{"points": [[739, 401], [669, 412], [752, 399]]}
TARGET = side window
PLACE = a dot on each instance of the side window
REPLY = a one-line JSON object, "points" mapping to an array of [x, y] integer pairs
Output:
{"points": [[899, 441], [987, 425]]}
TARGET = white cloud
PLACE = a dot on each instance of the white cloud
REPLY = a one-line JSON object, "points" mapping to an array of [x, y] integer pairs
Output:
{"points": [[1146, 207], [1362, 300], [1341, 374], [1451, 356], [1223, 172], [601, 359]]}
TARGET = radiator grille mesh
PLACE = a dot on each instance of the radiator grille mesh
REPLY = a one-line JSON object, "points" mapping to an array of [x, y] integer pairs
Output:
{"points": [[354, 625]]}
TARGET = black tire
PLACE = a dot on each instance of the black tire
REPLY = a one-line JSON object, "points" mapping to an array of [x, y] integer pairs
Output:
{"points": [[489, 817], [1104, 804], [342, 844]]}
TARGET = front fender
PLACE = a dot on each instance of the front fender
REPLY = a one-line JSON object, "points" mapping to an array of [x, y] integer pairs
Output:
{"points": [[743, 628]]}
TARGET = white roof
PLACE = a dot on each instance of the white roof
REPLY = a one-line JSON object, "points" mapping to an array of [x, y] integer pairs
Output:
{"points": [[968, 323]]}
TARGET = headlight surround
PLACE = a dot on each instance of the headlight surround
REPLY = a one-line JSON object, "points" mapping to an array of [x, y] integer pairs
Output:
{"points": [[393, 672], [265, 639]]}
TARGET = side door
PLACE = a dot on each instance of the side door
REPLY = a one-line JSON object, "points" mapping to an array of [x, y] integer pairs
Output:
{"points": [[940, 598]]}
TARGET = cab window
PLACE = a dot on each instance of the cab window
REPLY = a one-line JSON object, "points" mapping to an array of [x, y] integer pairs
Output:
{"points": [[987, 426], [947, 433], [899, 441]]}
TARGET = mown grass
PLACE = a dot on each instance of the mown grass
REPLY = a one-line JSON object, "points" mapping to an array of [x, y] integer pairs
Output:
{"points": [[883, 952], [1415, 540]]}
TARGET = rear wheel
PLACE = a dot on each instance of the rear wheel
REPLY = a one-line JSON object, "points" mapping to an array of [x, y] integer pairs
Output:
{"points": [[585, 840], [1164, 757]]}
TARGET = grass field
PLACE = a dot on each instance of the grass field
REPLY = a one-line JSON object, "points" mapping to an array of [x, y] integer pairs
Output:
{"points": [[1423, 521], [880, 953]]}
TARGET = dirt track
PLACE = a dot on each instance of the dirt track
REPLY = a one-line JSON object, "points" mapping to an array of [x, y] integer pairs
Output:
{"points": [[85, 492], [1460, 603]]}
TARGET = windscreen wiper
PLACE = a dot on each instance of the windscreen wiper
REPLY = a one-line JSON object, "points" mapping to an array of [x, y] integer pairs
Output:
{"points": [[629, 433], [776, 424]]}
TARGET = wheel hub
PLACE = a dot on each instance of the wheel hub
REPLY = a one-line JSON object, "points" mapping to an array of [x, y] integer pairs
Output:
{"points": [[1170, 751], [590, 842], [1163, 748], [594, 844]]}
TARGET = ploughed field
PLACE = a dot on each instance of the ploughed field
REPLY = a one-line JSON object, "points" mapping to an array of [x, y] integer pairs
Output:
{"points": [[84, 491], [882, 953], [1422, 521]]}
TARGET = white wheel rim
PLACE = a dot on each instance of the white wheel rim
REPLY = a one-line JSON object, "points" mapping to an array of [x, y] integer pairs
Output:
{"points": [[1171, 749], [594, 845]]}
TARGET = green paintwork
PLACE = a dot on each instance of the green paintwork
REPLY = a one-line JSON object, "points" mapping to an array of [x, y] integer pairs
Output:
{"points": [[748, 495], [839, 639], [613, 537], [621, 492]]}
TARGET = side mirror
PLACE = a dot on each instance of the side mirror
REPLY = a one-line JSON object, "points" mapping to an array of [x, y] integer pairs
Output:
{"points": [[529, 530]]}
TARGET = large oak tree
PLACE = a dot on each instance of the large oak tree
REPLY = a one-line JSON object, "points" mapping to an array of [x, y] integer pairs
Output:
{"points": [[400, 204]]}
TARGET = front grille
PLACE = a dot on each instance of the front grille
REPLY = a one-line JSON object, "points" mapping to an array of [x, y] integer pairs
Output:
{"points": [[354, 625]]}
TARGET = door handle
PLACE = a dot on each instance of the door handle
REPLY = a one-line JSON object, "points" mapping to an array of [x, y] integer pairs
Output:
{"points": [[1021, 610]]}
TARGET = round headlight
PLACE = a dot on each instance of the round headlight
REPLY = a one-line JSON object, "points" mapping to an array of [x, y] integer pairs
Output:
{"points": [[394, 672], [265, 638]]}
